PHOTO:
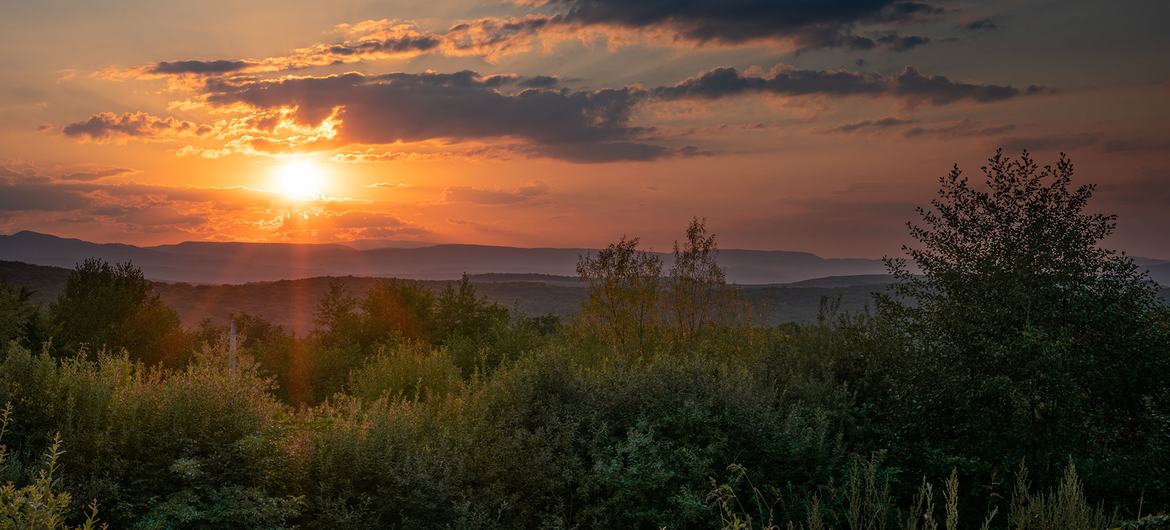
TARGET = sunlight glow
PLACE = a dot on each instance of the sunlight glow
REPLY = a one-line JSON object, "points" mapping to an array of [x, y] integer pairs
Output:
{"points": [[300, 179]]}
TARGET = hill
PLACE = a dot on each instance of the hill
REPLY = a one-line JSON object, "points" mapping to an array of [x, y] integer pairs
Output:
{"points": [[221, 263], [290, 303]]}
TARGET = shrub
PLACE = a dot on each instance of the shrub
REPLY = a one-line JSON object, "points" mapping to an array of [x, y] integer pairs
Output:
{"points": [[37, 505]]}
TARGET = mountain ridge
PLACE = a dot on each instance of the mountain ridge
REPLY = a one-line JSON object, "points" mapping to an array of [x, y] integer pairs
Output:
{"points": [[206, 262], [211, 262]]}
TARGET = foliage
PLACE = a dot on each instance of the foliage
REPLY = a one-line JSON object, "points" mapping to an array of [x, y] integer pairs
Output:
{"points": [[115, 307], [20, 319], [863, 502], [37, 505], [412, 371], [1023, 338], [132, 433], [622, 309], [698, 294]]}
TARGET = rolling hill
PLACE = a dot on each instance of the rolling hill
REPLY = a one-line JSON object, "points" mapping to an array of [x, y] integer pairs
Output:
{"points": [[220, 263]]}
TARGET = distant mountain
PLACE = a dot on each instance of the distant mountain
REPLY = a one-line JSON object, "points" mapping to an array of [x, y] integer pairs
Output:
{"points": [[229, 263], [369, 244], [217, 263], [1159, 269], [845, 281], [45, 282]]}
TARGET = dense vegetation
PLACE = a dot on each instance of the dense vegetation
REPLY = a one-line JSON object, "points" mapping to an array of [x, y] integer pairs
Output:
{"points": [[1017, 376]]}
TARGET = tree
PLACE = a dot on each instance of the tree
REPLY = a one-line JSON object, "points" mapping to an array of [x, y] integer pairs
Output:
{"points": [[699, 297], [397, 310], [336, 316], [115, 306], [623, 305], [20, 318], [1027, 339], [460, 312]]}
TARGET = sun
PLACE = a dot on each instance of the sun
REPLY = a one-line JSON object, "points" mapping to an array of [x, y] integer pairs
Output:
{"points": [[299, 180]]}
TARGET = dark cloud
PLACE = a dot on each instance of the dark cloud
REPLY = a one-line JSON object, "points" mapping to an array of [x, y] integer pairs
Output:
{"points": [[392, 45], [939, 90], [910, 85], [810, 24], [964, 128], [468, 194], [573, 125], [37, 194], [540, 81], [95, 174], [199, 67], [870, 125], [109, 126], [1053, 142], [983, 24], [494, 36], [901, 43], [723, 82]]}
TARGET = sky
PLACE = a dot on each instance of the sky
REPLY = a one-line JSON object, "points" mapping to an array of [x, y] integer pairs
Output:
{"points": [[787, 124]]}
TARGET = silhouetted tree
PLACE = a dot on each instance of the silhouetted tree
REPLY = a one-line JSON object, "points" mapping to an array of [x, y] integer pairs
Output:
{"points": [[20, 319], [114, 306], [1027, 339]]}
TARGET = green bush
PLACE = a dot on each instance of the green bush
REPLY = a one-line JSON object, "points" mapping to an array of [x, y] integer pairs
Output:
{"points": [[142, 439], [37, 505]]}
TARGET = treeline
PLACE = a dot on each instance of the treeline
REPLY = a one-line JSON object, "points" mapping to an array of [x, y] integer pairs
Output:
{"points": [[1017, 377]]}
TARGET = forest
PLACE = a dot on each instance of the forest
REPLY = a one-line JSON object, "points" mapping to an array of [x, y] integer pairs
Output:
{"points": [[1015, 376]]}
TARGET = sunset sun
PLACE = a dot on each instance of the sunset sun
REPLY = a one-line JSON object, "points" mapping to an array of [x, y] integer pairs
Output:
{"points": [[299, 180]]}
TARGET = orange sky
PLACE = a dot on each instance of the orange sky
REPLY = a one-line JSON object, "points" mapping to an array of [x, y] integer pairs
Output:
{"points": [[565, 123]]}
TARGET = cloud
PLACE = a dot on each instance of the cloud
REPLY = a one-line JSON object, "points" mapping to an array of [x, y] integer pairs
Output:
{"points": [[939, 90], [540, 81], [1136, 145], [691, 22], [808, 24], [387, 185], [331, 224], [199, 67], [108, 126], [982, 24], [369, 40], [901, 43], [723, 82], [582, 125], [909, 85], [487, 116], [95, 174], [961, 129], [30, 195], [466, 194], [870, 125]]}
